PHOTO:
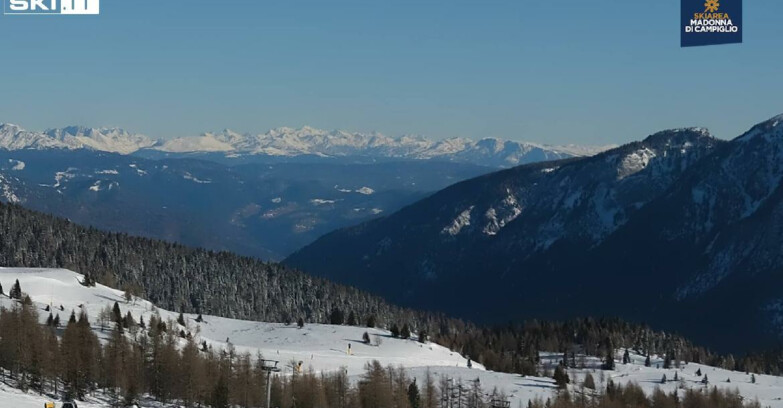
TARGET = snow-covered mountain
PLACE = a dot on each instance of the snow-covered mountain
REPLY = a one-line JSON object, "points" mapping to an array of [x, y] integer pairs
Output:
{"points": [[307, 141], [13, 137], [289, 143], [112, 140], [679, 224]]}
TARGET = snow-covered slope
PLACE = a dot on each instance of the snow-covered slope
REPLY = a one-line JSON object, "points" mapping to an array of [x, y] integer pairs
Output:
{"points": [[324, 347], [287, 142]]}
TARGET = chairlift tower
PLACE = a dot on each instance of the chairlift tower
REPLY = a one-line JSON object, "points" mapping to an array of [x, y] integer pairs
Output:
{"points": [[269, 366]]}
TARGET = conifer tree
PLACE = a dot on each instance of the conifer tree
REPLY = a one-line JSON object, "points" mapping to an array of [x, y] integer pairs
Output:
{"points": [[117, 313], [413, 395], [626, 357], [1, 289], [371, 321], [667, 361], [561, 377], [220, 397], [88, 280], [16, 291], [395, 331], [181, 319], [351, 319], [300, 322], [589, 382], [128, 322], [647, 362], [336, 317], [405, 333], [663, 379]]}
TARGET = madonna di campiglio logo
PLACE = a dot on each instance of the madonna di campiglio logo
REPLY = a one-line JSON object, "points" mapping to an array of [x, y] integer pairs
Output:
{"points": [[711, 6], [710, 22]]}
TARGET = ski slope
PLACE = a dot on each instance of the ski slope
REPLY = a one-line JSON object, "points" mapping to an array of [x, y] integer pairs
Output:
{"points": [[325, 348]]}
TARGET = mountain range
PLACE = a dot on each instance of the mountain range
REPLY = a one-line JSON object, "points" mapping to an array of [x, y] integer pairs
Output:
{"points": [[258, 195], [291, 143], [681, 230]]}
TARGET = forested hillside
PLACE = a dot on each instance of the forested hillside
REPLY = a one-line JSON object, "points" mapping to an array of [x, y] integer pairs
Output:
{"points": [[181, 278]]}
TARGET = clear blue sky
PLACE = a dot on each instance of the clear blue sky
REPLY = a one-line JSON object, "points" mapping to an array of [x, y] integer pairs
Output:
{"points": [[589, 72]]}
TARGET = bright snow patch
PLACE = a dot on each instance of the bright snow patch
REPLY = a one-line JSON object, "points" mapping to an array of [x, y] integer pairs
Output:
{"points": [[497, 218], [103, 185], [188, 176], [462, 221], [635, 162], [17, 164], [8, 192]]}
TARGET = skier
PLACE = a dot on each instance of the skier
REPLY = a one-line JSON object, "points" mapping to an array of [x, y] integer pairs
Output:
{"points": [[349, 349]]}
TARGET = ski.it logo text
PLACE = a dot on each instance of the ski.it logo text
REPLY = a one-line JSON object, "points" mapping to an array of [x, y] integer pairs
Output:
{"points": [[51, 6]]}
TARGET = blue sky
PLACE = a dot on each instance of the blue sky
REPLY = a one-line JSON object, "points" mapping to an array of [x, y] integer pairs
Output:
{"points": [[588, 72]]}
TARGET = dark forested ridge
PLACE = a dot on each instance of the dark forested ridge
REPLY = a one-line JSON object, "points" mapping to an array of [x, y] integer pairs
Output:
{"points": [[177, 277]]}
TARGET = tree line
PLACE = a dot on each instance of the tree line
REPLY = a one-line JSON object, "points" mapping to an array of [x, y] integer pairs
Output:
{"points": [[154, 359], [632, 396], [514, 348], [161, 360]]}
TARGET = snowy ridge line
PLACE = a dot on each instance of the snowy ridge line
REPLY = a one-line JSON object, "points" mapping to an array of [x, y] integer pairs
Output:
{"points": [[290, 142]]}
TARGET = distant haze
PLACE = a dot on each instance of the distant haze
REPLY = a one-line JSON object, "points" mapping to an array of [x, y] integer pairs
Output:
{"points": [[590, 73]]}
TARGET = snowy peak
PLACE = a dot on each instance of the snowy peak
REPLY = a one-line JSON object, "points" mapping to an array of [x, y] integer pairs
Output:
{"points": [[113, 140], [292, 142], [13, 137], [682, 138]]}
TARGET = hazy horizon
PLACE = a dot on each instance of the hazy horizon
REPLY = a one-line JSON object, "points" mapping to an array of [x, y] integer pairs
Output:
{"points": [[595, 73]]}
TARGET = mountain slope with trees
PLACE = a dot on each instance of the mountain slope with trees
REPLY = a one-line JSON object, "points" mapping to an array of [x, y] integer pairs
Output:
{"points": [[679, 230]]}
